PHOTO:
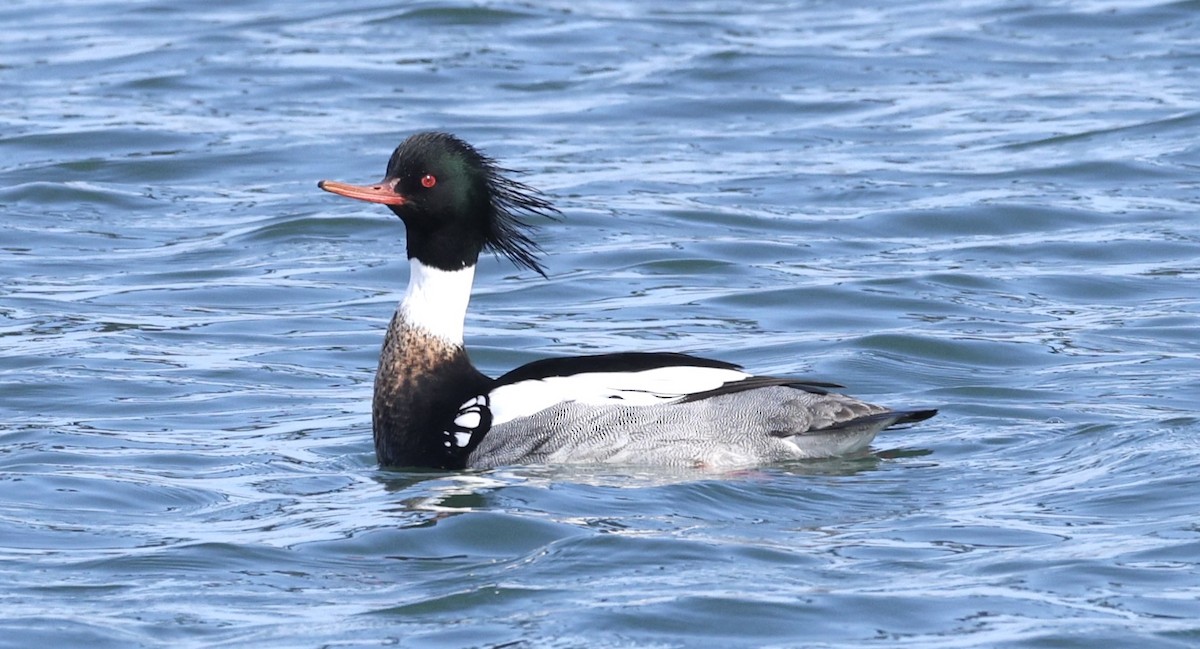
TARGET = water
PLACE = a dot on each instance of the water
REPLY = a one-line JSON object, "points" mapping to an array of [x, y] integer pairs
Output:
{"points": [[988, 207]]}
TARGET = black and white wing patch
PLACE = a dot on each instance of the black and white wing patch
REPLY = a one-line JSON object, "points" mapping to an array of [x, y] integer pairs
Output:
{"points": [[472, 422], [628, 379], [607, 379]]}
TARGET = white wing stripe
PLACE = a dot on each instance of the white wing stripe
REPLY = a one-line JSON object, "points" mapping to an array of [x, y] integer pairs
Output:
{"points": [[524, 398]]}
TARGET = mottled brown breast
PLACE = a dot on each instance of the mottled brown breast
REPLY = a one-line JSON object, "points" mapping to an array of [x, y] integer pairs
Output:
{"points": [[421, 382]]}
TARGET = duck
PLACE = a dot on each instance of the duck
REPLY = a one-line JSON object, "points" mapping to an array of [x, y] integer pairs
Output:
{"points": [[432, 408]]}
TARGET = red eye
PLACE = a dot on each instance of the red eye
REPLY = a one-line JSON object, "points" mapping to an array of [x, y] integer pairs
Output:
{"points": [[428, 180]]}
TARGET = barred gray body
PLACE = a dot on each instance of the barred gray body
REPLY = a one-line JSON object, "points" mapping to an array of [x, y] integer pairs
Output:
{"points": [[734, 430]]}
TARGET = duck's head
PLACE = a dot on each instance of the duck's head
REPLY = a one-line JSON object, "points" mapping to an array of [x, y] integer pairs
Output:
{"points": [[455, 202]]}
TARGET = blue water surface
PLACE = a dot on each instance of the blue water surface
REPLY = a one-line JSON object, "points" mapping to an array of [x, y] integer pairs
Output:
{"points": [[989, 207]]}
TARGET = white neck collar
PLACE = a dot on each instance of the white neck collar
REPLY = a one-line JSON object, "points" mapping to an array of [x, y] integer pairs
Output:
{"points": [[436, 300]]}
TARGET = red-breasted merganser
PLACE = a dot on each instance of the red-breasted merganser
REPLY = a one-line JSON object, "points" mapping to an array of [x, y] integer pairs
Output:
{"points": [[432, 408]]}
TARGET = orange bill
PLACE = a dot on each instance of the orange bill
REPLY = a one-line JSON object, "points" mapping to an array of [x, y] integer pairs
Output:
{"points": [[383, 191]]}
